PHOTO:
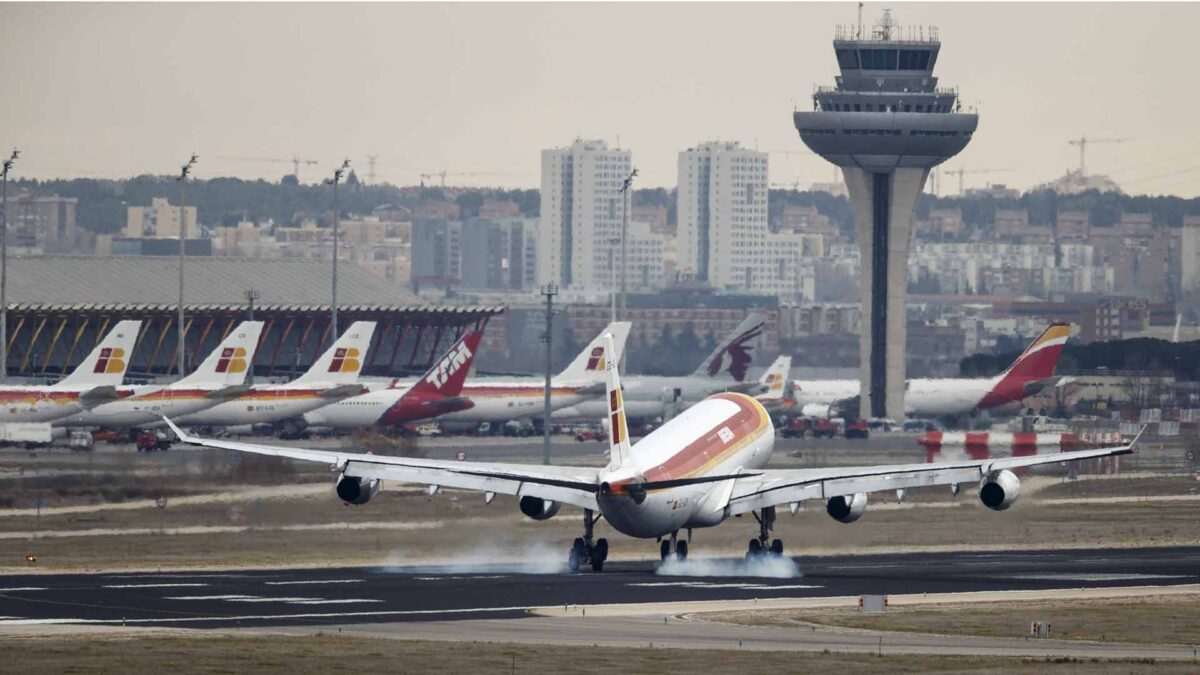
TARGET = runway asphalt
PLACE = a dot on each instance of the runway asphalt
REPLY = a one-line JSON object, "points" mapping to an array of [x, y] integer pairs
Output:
{"points": [[372, 595]]}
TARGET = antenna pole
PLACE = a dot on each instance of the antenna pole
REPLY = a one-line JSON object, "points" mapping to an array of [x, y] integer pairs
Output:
{"points": [[549, 291]]}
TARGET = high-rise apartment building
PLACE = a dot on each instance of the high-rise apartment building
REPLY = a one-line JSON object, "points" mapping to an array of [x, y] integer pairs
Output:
{"points": [[160, 219], [579, 236]]}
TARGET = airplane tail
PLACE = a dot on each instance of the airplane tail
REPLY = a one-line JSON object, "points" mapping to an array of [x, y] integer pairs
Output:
{"points": [[228, 364], [105, 366], [447, 375], [774, 381], [1040, 358], [733, 356], [618, 430], [341, 363], [590, 364]]}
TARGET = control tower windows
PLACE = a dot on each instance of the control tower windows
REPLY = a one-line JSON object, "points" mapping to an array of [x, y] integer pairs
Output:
{"points": [[847, 59], [884, 59]]}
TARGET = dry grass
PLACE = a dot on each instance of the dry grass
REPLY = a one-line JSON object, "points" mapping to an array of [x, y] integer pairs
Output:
{"points": [[334, 653], [1161, 619]]}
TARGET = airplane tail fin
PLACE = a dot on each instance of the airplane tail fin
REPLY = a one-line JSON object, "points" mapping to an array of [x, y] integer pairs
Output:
{"points": [[341, 363], [447, 375], [106, 364], [733, 356], [228, 364], [1040, 358], [774, 381], [618, 436], [590, 364]]}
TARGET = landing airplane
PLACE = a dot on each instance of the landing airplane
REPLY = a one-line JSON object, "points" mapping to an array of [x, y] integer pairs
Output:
{"points": [[332, 377], [651, 397], [493, 399], [438, 392], [94, 381], [1032, 372], [696, 470], [219, 377]]}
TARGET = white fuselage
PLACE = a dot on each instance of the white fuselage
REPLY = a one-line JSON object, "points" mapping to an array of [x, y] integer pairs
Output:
{"points": [[649, 397], [145, 407], [262, 404], [39, 404], [719, 436], [922, 397]]}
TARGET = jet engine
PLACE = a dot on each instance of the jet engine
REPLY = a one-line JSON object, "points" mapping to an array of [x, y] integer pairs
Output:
{"points": [[538, 508], [1000, 490], [847, 508], [353, 490]]}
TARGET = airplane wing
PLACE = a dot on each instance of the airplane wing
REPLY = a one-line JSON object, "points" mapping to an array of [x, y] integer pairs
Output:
{"points": [[568, 485], [761, 489]]}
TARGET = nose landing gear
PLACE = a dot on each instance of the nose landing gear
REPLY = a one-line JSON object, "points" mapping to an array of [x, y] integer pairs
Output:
{"points": [[586, 552], [760, 547]]}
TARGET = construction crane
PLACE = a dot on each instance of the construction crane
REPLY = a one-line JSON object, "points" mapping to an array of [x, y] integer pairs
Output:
{"points": [[960, 171], [442, 175], [1083, 141], [295, 162]]}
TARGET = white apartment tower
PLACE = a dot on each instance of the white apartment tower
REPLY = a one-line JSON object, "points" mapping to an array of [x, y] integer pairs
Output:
{"points": [[723, 235], [579, 241]]}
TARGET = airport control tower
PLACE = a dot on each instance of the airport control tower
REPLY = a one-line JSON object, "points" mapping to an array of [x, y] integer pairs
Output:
{"points": [[886, 123]]}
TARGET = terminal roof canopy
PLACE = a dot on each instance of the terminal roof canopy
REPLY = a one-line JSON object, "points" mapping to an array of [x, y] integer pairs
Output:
{"points": [[67, 280]]}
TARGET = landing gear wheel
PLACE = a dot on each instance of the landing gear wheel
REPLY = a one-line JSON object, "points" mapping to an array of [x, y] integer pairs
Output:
{"points": [[664, 549], [599, 555], [574, 559], [754, 549], [777, 547], [681, 551]]}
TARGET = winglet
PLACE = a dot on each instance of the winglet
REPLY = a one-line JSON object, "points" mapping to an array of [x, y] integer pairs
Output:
{"points": [[183, 438], [618, 440], [1138, 436]]}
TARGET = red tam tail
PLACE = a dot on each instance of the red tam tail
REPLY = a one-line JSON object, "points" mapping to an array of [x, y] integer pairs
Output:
{"points": [[448, 373]]}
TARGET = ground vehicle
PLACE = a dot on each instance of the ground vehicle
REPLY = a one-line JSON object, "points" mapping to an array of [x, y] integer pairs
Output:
{"points": [[589, 434], [518, 428], [859, 429], [919, 425], [149, 441], [25, 433], [882, 424]]}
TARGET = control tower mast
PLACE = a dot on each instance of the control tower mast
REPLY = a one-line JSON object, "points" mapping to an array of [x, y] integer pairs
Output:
{"points": [[885, 123]]}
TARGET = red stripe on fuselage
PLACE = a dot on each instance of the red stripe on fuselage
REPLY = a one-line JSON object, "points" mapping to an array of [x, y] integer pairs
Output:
{"points": [[709, 449]]}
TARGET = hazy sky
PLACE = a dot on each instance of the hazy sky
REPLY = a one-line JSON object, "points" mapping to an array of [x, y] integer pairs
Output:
{"points": [[117, 90]]}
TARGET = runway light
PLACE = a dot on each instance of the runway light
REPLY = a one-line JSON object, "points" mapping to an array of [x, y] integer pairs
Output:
{"points": [[31, 559]]}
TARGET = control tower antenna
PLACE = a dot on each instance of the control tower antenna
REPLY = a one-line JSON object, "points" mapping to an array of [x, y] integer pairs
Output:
{"points": [[886, 124], [858, 33]]}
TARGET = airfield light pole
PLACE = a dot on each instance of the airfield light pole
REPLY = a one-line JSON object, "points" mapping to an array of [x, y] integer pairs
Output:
{"points": [[625, 232], [252, 294], [337, 178], [8, 164], [549, 290], [183, 175]]}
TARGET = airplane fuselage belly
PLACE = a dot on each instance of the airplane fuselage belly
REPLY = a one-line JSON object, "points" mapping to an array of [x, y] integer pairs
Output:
{"points": [[144, 410], [717, 440], [501, 407], [262, 407], [31, 405]]}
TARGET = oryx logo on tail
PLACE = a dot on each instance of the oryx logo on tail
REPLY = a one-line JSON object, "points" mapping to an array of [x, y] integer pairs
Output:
{"points": [[736, 357]]}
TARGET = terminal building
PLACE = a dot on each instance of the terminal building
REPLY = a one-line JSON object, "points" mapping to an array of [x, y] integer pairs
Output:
{"points": [[885, 123], [60, 306]]}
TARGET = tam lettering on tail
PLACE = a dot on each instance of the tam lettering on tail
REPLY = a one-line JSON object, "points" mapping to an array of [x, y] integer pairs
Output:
{"points": [[342, 363], [106, 364], [1032, 370], [448, 373], [734, 355]]}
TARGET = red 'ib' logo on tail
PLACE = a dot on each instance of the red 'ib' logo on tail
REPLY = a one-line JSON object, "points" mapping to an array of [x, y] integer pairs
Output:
{"points": [[233, 360], [739, 355], [345, 360], [596, 359], [111, 360]]}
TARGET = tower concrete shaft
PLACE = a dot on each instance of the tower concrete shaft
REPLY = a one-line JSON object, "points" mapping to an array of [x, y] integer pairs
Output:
{"points": [[886, 124]]}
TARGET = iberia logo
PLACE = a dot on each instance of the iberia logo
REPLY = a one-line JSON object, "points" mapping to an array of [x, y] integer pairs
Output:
{"points": [[112, 360], [449, 365], [233, 360], [596, 359], [774, 381], [345, 360]]}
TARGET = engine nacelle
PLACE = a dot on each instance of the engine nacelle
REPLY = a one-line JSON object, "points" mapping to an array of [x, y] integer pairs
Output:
{"points": [[1000, 490], [355, 491], [847, 509], [538, 508]]}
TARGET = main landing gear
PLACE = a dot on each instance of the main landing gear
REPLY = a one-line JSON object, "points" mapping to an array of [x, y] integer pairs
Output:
{"points": [[759, 547], [584, 551], [665, 547]]}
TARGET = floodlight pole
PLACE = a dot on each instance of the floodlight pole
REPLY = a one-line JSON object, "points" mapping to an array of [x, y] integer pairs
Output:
{"points": [[625, 231], [549, 290], [180, 365], [8, 164], [337, 178]]}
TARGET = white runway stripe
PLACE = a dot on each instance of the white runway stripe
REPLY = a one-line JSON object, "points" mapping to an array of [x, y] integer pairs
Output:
{"points": [[209, 597], [153, 585], [22, 588], [269, 617], [314, 581], [341, 601]]}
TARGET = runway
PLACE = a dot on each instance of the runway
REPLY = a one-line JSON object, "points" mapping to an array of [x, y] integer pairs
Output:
{"points": [[372, 595]]}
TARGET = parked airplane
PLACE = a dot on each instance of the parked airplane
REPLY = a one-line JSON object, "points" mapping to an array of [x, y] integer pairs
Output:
{"points": [[94, 381], [332, 377], [772, 391], [491, 399], [1032, 372], [219, 377], [651, 397], [696, 470], [436, 393]]}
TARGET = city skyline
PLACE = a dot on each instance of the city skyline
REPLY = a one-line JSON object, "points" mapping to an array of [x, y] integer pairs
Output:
{"points": [[482, 89]]}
